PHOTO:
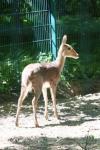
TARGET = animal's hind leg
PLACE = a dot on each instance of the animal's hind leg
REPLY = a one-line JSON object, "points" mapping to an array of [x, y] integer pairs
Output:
{"points": [[37, 93], [22, 96], [44, 91]]}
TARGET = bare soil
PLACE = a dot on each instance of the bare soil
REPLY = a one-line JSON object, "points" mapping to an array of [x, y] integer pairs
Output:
{"points": [[77, 129]]}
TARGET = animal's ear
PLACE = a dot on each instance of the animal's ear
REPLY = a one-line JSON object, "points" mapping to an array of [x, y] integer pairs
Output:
{"points": [[64, 39]]}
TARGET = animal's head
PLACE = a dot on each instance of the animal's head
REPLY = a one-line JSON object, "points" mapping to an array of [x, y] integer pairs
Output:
{"points": [[67, 50]]}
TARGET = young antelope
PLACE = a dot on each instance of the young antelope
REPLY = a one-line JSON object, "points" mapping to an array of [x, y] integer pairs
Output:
{"points": [[40, 76]]}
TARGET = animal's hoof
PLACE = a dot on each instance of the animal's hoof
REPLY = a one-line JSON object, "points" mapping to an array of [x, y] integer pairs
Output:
{"points": [[46, 116], [16, 124], [56, 116], [37, 125]]}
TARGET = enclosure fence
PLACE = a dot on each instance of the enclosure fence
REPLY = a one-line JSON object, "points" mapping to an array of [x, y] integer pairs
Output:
{"points": [[33, 26]]}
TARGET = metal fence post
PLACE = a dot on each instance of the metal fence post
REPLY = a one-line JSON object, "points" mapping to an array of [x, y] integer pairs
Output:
{"points": [[53, 28]]}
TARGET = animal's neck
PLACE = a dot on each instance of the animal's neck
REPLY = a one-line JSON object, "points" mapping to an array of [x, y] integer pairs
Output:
{"points": [[60, 60]]}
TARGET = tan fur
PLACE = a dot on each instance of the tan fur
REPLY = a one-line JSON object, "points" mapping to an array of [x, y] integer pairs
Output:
{"points": [[40, 76]]}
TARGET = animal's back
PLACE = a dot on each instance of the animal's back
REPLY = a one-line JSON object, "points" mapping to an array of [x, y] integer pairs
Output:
{"points": [[47, 72]]}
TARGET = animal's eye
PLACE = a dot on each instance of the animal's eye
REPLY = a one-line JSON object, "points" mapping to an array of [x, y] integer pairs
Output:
{"points": [[68, 48]]}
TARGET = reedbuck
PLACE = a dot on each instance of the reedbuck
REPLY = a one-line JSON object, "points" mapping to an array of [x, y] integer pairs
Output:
{"points": [[40, 76]]}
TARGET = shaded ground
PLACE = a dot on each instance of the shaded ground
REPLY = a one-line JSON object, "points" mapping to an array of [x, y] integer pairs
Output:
{"points": [[78, 128]]}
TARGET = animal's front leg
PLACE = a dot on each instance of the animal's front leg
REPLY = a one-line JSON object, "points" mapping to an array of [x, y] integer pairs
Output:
{"points": [[53, 97], [34, 104]]}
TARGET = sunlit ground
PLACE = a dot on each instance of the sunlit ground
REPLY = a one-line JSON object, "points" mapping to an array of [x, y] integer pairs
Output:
{"points": [[77, 129]]}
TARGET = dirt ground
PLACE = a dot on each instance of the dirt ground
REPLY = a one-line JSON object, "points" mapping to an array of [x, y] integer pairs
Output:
{"points": [[77, 129]]}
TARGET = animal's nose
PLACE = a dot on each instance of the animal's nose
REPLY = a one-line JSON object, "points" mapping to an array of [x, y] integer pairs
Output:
{"points": [[77, 55]]}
